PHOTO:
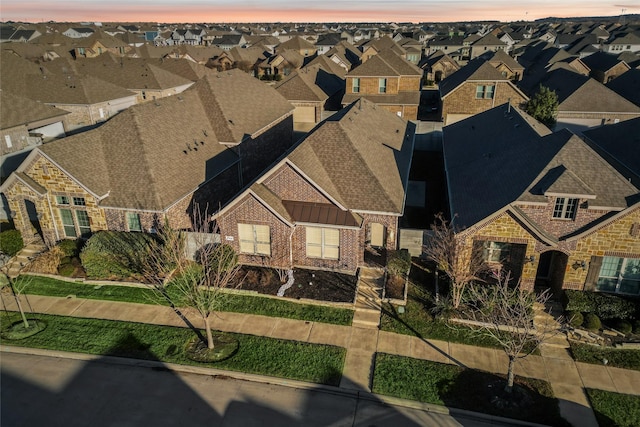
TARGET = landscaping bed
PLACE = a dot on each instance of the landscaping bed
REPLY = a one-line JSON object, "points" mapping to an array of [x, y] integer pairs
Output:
{"points": [[308, 284], [468, 389], [257, 355], [619, 358]]}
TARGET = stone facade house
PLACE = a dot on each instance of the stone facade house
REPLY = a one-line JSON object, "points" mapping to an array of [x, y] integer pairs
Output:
{"points": [[543, 205], [438, 66], [387, 80], [475, 88], [152, 161], [338, 190], [508, 67]]}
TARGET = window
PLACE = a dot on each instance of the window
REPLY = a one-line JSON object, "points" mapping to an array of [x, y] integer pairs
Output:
{"points": [[79, 201], [619, 275], [133, 221], [485, 91], [83, 223], [382, 85], [565, 208], [67, 223], [62, 200], [323, 243], [355, 85], [7, 139], [254, 239], [495, 252]]}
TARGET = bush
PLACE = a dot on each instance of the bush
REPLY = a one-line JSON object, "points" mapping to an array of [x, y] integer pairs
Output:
{"points": [[398, 262], [69, 248], [636, 327], [11, 242], [623, 326], [592, 322], [605, 306], [575, 318], [115, 254]]}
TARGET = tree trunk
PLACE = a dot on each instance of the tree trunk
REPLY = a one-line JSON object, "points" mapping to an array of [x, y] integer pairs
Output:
{"points": [[209, 334], [510, 374], [24, 317]]}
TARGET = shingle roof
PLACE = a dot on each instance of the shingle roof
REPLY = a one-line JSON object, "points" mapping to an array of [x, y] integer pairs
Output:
{"points": [[296, 43], [72, 89], [360, 156], [17, 110], [311, 83], [385, 64], [627, 85], [601, 61], [620, 141], [495, 159], [401, 98], [476, 70], [151, 155], [330, 66]]}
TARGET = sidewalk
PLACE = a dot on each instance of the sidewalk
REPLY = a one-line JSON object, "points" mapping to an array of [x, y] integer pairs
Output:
{"points": [[567, 377]]}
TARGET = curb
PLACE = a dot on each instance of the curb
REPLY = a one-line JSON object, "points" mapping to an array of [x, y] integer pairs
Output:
{"points": [[187, 369]]}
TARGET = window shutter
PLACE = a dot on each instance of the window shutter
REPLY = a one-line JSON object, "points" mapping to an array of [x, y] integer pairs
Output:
{"points": [[245, 235], [592, 275], [516, 261]]}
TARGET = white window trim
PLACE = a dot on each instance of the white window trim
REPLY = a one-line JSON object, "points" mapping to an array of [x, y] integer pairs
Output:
{"points": [[619, 278], [565, 208]]}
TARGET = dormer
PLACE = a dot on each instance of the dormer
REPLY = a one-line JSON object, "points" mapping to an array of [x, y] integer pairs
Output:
{"points": [[566, 191]]}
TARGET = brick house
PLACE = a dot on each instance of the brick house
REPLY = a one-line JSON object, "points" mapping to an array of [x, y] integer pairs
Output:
{"points": [[153, 160], [508, 67], [438, 66], [544, 205], [338, 190], [605, 66], [475, 88], [387, 80]]}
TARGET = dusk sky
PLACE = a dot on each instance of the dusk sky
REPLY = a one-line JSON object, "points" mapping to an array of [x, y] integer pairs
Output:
{"points": [[305, 10]]}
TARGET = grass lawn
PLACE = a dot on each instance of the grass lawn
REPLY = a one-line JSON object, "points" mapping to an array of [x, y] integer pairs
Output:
{"points": [[258, 355], [232, 302], [417, 321], [456, 387], [620, 358], [615, 409]]}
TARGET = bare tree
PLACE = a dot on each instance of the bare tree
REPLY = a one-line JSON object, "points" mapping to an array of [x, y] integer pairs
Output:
{"points": [[506, 314], [17, 285], [192, 282], [454, 257]]}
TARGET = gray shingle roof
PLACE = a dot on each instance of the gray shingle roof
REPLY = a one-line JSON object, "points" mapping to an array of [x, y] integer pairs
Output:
{"points": [[17, 110], [153, 154], [311, 83], [495, 159], [627, 85], [620, 141], [476, 70], [360, 156]]}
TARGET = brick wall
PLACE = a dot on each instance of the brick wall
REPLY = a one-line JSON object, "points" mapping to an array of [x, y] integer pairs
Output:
{"points": [[463, 99], [391, 224], [371, 85], [543, 216], [288, 184], [408, 84]]}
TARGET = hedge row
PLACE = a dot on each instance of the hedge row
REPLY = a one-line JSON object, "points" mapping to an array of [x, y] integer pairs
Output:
{"points": [[605, 306]]}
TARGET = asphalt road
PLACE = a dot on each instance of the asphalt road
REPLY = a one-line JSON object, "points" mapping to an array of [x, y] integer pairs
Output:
{"points": [[53, 391]]}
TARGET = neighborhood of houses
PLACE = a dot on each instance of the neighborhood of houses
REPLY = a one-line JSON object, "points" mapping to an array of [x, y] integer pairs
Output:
{"points": [[300, 139]]}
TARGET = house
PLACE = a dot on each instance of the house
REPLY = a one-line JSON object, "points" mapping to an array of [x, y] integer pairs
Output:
{"points": [[627, 86], [153, 161], [621, 42], [508, 67], [605, 67], [76, 33], [345, 55], [98, 43], [438, 66], [544, 206], [474, 88], [487, 43], [298, 44], [282, 63], [326, 42], [330, 64], [312, 90], [451, 45], [387, 80], [584, 103], [340, 189]]}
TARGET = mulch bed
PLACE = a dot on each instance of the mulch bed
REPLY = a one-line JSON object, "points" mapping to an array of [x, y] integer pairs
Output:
{"points": [[311, 284]]}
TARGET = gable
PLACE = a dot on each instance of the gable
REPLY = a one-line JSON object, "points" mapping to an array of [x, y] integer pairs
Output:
{"points": [[288, 184]]}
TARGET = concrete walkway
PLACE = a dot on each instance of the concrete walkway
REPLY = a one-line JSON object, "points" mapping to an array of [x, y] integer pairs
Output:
{"points": [[362, 340]]}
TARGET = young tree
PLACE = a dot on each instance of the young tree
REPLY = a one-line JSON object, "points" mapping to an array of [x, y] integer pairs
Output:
{"points": [[544, 106], [506, 314], [459, 262], [17, 285], [192, 283]]}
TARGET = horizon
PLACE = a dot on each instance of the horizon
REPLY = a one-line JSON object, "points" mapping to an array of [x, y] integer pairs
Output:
{"points": [[307, 11]]}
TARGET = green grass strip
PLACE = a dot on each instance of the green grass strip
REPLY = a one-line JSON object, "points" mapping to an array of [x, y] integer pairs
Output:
{"points": [[248, 304], [461, 388], [257, 355], [615, 409], [620, 358]]}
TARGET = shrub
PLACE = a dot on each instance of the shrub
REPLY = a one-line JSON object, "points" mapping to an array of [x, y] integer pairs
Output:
{"points": [[115, 254], [623, 326], [69, 248], [47, 262], [398, 262], [575, 318], [592, 322], [636, 327], [11, 242], [605, 306]]}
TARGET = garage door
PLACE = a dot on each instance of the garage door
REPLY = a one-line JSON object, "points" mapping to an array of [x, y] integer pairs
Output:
{"points": [[304, 115], [452, 118]]}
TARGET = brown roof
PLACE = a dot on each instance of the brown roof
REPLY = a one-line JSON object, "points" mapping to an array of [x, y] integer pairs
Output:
{"points": [[310, 84], [296, 43], [386, 63], [360, 157], [72, 89], [17, 110], [151, 155], [320, 213]]}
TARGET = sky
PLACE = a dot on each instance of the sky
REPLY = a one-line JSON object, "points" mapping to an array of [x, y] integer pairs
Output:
{"points": [[229, 11]]}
